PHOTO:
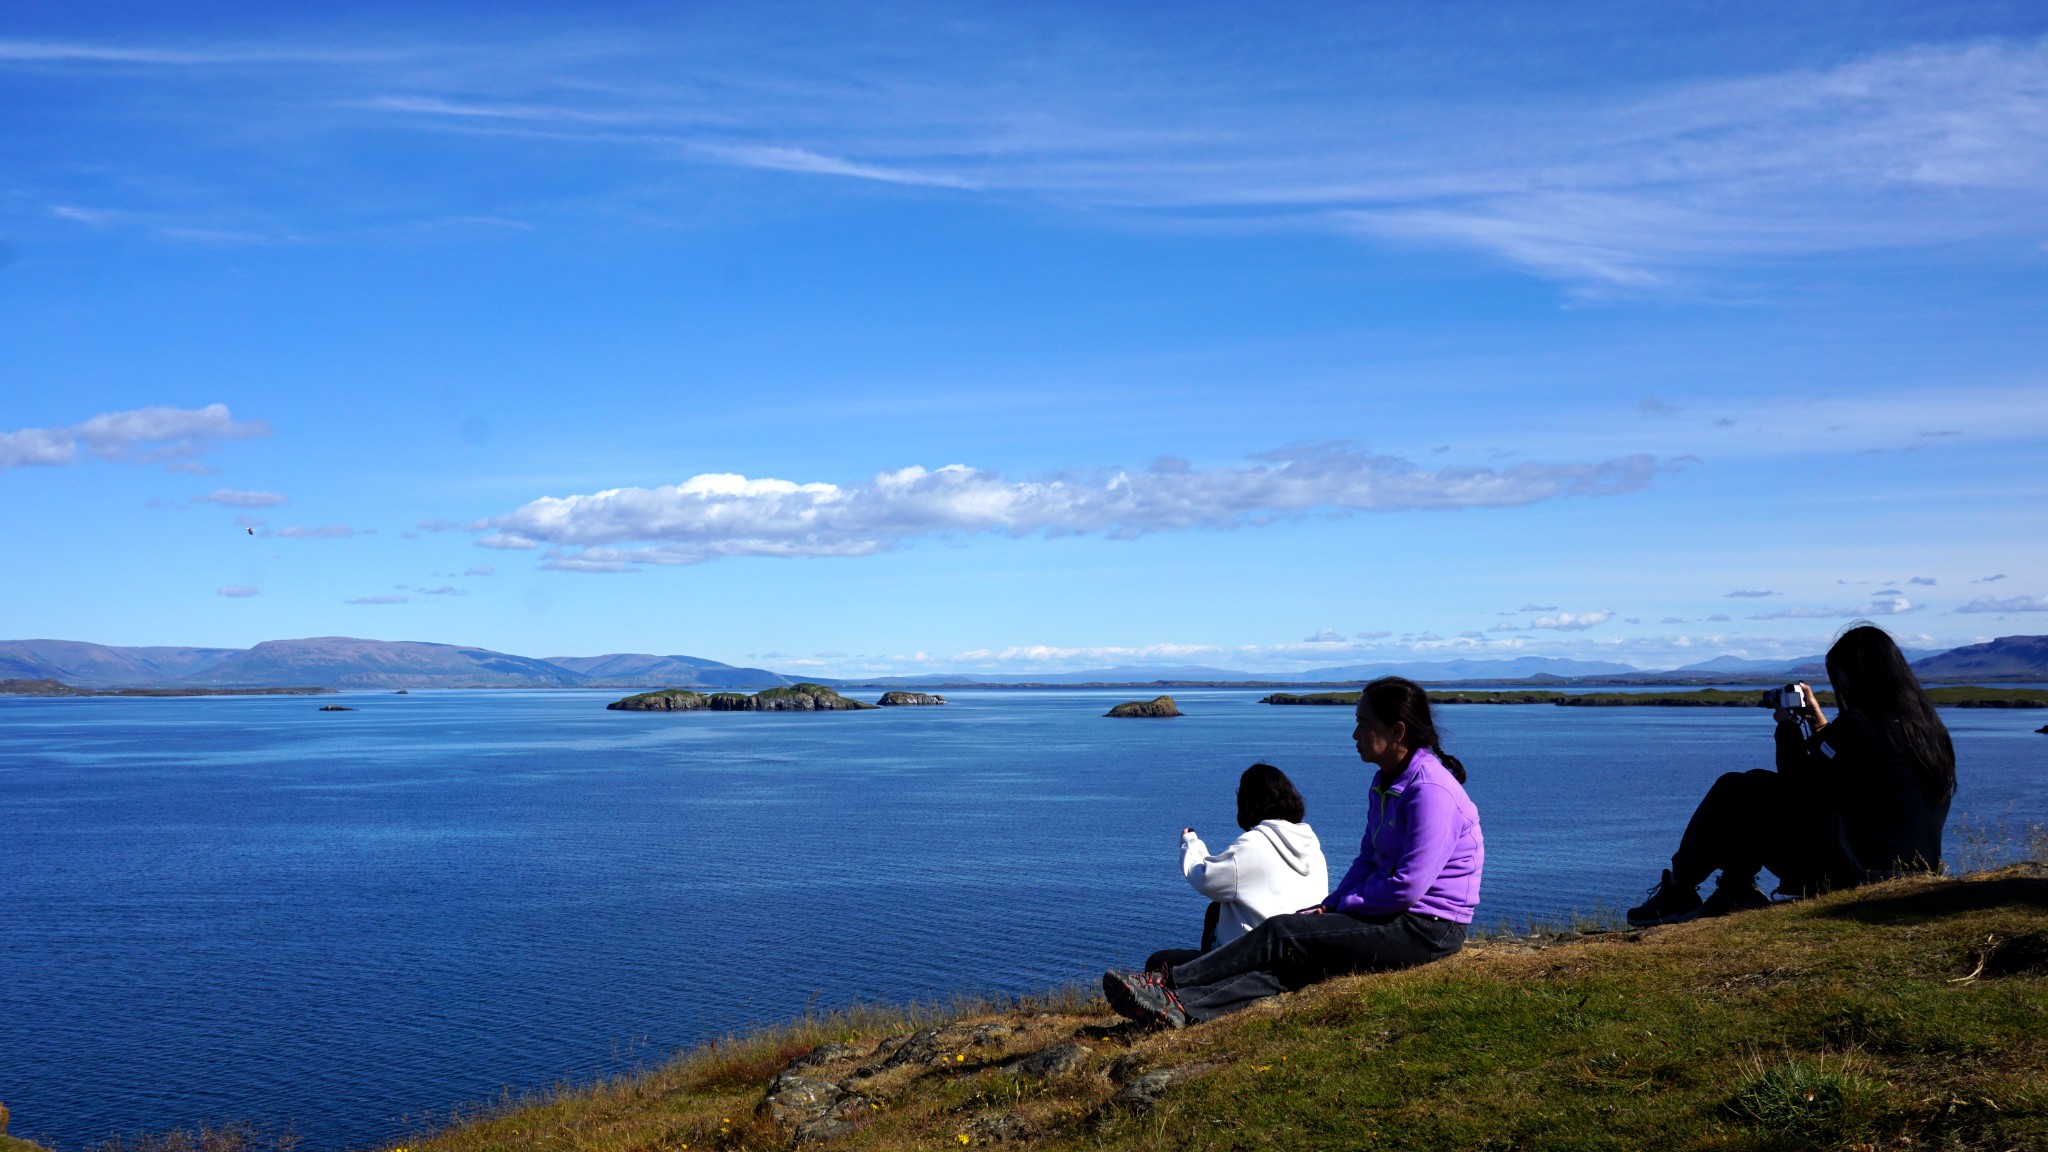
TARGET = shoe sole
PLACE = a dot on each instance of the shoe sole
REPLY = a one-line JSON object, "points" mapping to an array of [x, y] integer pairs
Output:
{"points": [[1126, 1002]]}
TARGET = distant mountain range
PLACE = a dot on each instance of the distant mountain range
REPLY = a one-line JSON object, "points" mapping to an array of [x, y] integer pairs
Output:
{"points": [[347, 662]]}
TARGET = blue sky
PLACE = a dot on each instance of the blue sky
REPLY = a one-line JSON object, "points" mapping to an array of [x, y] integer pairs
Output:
{"points": [[903, 337]]}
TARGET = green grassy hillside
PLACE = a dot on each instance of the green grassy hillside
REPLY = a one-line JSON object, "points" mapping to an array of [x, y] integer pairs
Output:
{"points": [[1905, 1015]]}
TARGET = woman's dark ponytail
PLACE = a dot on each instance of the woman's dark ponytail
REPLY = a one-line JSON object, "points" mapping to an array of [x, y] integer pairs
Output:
{"points": [[1394, 700]]}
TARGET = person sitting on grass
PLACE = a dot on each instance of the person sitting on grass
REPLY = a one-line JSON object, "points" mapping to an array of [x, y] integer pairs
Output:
{"points": [[1862, 798], [1406, 900], [1276, 866]]}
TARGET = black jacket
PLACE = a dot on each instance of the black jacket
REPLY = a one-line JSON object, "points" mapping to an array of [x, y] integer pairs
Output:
{"points": [[1872, 818]]}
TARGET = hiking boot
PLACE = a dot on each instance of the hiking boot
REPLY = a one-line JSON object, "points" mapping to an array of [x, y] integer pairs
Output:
{"points": [[1729, 897], [1670, 903], [1144, 997]]}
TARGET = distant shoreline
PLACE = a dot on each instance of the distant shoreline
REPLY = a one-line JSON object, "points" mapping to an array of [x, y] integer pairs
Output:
{"points": [[54, 689]]}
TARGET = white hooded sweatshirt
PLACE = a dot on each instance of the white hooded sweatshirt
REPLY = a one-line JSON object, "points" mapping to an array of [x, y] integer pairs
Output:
{"points": [[1274, 868]]}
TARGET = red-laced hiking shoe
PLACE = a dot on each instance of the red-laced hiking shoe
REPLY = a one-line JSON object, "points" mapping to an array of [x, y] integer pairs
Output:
{"points": [[1144, 997], [1670, 903]]}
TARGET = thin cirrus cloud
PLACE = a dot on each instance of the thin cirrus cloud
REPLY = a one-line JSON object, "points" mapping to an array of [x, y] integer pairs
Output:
{"points": [[1989, 604], [322, 532], [1750, 594], [1887, 603], [171, 436], [718, 515], [385, 599], [236, 591], [230, 498], [1632, 187]]}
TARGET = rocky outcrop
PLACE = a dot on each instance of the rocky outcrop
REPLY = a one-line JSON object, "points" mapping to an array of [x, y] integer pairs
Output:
{"points": [[795, 698], [1158, 706], [666, 700], [907, 699]]}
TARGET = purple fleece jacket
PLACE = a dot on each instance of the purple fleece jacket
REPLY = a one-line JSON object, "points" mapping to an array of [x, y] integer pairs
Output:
{"points": [[1422, 851]]}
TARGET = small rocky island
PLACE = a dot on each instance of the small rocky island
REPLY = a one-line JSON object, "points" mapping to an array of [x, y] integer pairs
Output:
{"points": [[795, 698], [1161, 706], [336, 708], [909, 699]]}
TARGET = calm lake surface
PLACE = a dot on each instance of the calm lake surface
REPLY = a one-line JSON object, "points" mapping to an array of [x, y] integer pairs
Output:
{"points": [[346, 923]]}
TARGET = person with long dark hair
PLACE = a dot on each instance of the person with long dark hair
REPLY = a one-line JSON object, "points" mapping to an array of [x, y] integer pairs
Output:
{"points": [[1860, 798], [1276, 866], [1406, 900]]}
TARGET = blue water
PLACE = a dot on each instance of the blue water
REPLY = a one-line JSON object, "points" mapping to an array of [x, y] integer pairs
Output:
{"points": [[344, 923]]}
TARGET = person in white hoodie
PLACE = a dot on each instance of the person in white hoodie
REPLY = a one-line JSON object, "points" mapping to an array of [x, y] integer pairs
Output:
{"points": [[1277, 866]]}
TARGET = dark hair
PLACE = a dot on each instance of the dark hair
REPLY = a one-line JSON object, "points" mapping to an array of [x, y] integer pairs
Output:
{"points": [[1394, 700], [1265, 793], [1871, 676]]}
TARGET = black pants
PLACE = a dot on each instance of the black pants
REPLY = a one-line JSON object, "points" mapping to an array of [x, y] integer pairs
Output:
{"points": [[1747, 822], [1294, 951], [1166, 958]]}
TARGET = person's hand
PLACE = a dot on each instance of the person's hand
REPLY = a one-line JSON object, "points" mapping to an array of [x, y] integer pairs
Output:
{"points": [[1809, 709], [1312, 910]]}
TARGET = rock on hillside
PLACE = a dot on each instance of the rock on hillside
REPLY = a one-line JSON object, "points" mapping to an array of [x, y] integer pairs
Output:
{"points": [[1157, 706], [795, 698], [666, 700], [909, 699]]}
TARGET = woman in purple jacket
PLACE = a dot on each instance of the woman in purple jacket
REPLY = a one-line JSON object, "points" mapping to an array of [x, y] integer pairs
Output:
{"points": [[1406, 900]]}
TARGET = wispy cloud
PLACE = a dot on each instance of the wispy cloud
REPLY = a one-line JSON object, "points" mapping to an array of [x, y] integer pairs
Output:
{"points": [[1989, 604], [720, 515], [1886, 603], [323, 532], [1640, 186], [1750, 594], [236, 591], [231, 498], [385, 599], [139, 436]]}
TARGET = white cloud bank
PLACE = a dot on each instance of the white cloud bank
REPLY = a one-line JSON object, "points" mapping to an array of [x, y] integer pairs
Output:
{"points": [[139, 436], [717, 515]]}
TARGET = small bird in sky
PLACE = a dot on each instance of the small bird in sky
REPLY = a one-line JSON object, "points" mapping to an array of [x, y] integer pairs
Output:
{"points": [[252, 531]]}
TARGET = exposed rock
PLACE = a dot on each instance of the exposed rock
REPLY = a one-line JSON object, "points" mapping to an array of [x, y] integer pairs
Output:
{"points": [[1125, 1066], [1142, 1093], [990, 1035], [2043, 729], [666, 700], [904, 699], [826, 1054], [793, 1099], [824, 1128], [1053, 1060], [1158, 706], [336, 708], [996, 1128], [795, 698]]}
